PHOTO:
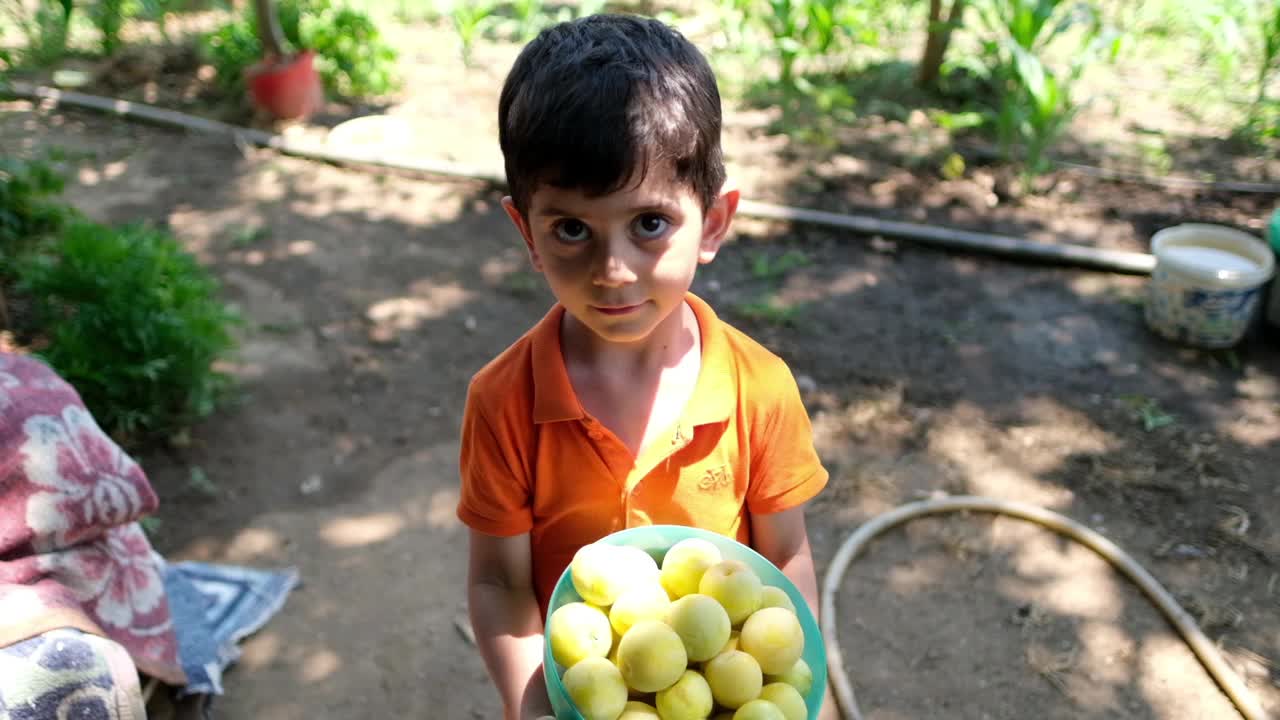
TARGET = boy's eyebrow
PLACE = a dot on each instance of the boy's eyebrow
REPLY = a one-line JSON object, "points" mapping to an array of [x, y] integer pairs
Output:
{"points": [[663, 206]]}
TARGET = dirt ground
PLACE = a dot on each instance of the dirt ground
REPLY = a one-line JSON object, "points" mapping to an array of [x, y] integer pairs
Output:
{"points": [[370, 299]]}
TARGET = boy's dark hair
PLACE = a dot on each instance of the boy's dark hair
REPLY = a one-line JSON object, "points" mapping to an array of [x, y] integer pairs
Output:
{"points": [[590, 103]]}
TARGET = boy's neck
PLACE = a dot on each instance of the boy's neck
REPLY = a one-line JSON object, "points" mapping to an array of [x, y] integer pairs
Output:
{"points": [[670, 342]]}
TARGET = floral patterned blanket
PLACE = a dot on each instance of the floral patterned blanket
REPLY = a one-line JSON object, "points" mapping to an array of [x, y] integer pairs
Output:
{"points": [[71, 551]]}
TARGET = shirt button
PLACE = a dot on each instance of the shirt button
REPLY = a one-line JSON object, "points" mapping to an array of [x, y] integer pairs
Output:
{"points": [[595, 434]]}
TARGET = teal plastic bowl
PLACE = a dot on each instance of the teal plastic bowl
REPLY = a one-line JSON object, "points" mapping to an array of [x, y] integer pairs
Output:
{"points": [[656, 540]]}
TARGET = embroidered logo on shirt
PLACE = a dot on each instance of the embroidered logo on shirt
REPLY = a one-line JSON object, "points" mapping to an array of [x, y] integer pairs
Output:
{"points": [[716, 478]]}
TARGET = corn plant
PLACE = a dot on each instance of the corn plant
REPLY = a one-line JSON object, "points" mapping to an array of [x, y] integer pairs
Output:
{"points": [[799, 28], [1034, 109], [470, 18], [1034, 103]]}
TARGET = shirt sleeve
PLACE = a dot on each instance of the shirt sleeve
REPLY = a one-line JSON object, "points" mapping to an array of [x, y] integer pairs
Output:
{"points": [[495, 498], [785, 468]]}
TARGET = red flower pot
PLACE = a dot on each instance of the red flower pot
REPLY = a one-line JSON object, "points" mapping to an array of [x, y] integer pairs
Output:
{"points": [[287, 88]]}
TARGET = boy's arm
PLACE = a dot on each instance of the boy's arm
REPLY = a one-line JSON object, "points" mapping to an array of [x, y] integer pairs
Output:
{"points": [[782, 538], [507, 622]]}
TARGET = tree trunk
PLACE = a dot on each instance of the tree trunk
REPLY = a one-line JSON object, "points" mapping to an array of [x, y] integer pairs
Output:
{"points": [[269, 29], [939, 37]]}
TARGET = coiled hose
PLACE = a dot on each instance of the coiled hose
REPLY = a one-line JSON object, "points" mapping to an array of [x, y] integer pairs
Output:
{"points": [[1204, 649]]}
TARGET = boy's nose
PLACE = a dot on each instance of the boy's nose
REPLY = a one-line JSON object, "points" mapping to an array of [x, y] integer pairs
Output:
{"points": [[613, 268]]}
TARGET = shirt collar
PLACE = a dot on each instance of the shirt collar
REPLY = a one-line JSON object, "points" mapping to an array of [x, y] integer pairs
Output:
{"points": [[554, 399], [713, 396], [553, 396]]}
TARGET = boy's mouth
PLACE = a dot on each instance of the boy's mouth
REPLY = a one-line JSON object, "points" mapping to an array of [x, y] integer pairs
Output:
{"points": [[617, 309]]}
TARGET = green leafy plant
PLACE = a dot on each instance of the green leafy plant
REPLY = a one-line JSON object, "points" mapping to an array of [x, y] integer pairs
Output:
{"points": [[352, 58], [133, 322], [351, 55], [28, 208], [231, 49]]}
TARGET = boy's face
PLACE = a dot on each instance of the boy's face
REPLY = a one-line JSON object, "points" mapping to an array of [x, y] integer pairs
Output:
{"points": [[620, 263]]}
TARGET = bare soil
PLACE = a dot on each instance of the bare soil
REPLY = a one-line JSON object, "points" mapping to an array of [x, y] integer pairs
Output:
{"points": [[370, 299]]}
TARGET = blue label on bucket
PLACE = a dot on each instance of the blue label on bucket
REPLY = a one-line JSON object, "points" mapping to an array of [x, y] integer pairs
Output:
{"points": [[1227, 303], [1196, 315]]}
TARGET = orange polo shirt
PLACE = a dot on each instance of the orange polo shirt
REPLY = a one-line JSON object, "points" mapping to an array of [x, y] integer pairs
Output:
{"points": [[533, 460]]}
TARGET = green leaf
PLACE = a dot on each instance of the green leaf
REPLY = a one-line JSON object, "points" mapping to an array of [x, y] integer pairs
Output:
{"points": [[1031, 74]]}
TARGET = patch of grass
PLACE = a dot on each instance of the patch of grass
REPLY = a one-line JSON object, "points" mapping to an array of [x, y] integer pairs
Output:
{"points": [[1137, 299], [955, 333], [765, 266], [282, 328], [1148, 412], [246, 235], [198, 480], [521, 283], [150, 525], [70, 156], [1228, 357], [769, 309]]}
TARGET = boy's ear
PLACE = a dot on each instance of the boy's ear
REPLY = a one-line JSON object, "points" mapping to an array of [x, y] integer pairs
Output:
{"points": [[716, 223], [523, 226]]}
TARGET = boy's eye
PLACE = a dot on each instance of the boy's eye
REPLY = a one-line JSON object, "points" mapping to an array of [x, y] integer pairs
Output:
{"points": [[572, 231], [650, 226]]}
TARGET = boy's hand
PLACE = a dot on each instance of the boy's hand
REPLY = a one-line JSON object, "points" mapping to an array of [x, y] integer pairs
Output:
{"points": [[507, 623], [829, 710], [535, 705]]}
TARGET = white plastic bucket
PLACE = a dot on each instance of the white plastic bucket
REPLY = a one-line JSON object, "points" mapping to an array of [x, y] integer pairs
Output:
{"points": [[1206, 284]]}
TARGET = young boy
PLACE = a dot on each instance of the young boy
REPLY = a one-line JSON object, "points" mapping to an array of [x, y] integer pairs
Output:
{"points": [[630, 403]]}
